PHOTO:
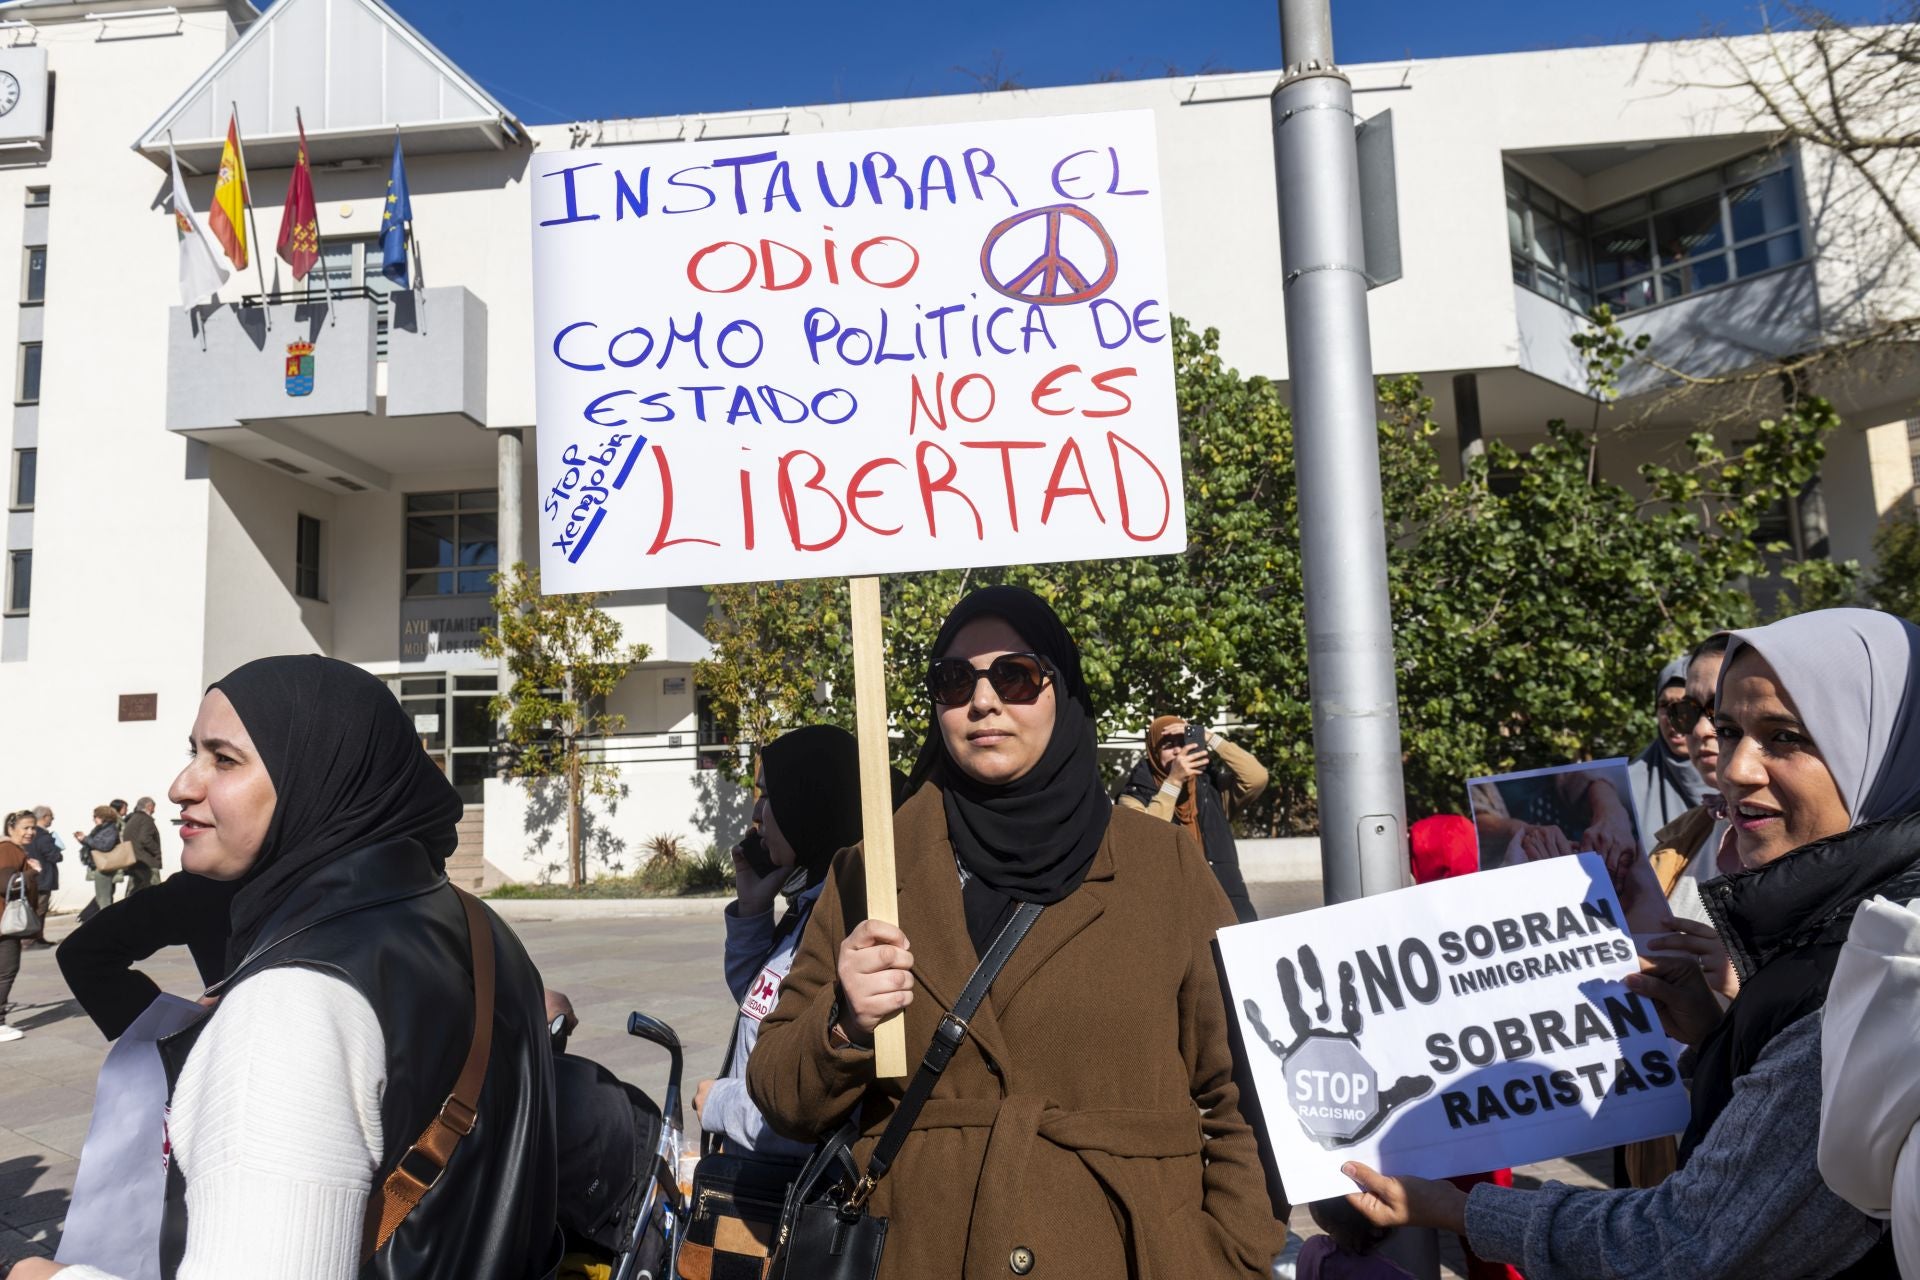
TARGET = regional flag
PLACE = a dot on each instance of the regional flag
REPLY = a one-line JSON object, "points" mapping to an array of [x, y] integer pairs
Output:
{"points": [[300, 219], [395, 221], [228, 217], [200, 269]]}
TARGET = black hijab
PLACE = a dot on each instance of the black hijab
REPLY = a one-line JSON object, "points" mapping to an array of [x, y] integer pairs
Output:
{"points": [[1029, 840], [348, 771], [812, 780]]}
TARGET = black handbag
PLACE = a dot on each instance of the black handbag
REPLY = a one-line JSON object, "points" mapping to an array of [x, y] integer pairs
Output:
{"points": [[826, 1232]]}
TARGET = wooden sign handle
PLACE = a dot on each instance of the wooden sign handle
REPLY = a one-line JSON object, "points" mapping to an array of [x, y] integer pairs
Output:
{"points": [[876, 796]]}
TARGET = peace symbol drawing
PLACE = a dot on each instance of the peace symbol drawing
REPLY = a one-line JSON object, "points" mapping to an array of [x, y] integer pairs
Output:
{"points": [[1047, 276]]}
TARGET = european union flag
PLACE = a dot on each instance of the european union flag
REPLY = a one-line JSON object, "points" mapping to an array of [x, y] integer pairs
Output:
{"points": [[394, 221]]}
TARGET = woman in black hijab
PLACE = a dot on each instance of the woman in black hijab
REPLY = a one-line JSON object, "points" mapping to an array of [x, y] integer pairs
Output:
{"points": [[807, 811], [1088, 1125], [333, 1046]]}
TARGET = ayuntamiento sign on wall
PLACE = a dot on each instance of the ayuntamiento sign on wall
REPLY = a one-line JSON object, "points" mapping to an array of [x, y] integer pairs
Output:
{"points": [[1461, 1026], [853, 353]]}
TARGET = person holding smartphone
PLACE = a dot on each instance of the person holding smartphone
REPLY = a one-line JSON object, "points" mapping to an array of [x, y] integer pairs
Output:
{"points": [[808, 810], [1197, 779]]}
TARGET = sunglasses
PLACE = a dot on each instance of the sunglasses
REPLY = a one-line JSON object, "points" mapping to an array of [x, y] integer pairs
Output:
{"points": [[1684, 713], [1015, 677]]}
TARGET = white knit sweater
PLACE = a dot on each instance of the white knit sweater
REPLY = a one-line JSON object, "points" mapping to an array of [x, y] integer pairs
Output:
{"points": [[276, 1125]]}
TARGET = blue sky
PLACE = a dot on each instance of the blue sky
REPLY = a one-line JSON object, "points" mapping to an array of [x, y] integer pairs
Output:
{"points": [[560, 60]]}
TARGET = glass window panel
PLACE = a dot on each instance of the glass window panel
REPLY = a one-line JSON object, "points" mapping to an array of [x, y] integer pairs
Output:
{"points": [[1620, 214], [429, 502], [38, 197], [476, 684], [478, 554], [29, 372], [1764, 255], [429, 584], [19, 581], [36, 285], [1620, 254], [472, 726], [1628, 297], [476, 584], [1522, 273], [417, 686], [1764, 206], [26, 475], [1516, 226], [430, 541], [1575, 265], [470, 772], [429, 719], [1686, 233], [1688, 191], [1516, 185], [1546, 242], [479, 500], [1691, 277]]}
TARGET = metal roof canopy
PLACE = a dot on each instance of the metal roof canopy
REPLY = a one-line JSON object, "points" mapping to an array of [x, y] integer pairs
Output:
{"points": [[355, 70]]}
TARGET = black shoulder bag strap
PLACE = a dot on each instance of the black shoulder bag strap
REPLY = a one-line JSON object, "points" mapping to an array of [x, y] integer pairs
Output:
{"points": [[947, 1038]]}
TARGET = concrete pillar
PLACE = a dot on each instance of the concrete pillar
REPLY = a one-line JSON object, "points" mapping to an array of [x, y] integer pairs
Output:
{"points": [[508, 449], [1866, 475]]}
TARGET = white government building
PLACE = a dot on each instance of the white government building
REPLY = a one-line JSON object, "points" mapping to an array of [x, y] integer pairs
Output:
{"points": [[173, 511]]}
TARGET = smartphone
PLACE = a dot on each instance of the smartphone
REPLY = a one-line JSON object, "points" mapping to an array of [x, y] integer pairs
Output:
{"points": [[753, 847], [1196, 737]]}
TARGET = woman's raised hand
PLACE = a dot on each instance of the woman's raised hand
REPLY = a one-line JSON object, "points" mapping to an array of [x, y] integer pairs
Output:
{"points": [[1679, 990], [876, 978], [1407, 1201]]}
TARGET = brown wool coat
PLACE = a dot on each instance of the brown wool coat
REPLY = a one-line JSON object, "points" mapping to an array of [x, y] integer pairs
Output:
{"points": [[1091, 1117]]}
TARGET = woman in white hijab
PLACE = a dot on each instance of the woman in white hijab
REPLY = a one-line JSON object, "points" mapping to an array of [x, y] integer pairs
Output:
{"points": [[1870, 1039], [1818, 722]]}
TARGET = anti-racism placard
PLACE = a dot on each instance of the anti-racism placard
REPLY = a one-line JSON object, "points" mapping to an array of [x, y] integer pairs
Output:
{"points": [[853, 353], [1464, 1025]]}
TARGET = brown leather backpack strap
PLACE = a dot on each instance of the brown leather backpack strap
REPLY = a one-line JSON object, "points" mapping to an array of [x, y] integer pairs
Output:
{"points": [[422, 1164]]}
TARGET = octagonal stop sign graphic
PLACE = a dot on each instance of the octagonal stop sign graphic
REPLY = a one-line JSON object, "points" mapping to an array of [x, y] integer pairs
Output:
{"points": [[1332, 1088]]}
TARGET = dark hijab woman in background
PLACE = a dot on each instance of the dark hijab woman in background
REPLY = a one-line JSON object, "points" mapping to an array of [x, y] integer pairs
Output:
{"points": [[1089, 1126], [808, 810], [350, 1007]]}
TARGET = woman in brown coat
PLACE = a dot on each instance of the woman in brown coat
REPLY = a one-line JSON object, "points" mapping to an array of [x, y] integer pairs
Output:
{"points": [[1090, 1125]]}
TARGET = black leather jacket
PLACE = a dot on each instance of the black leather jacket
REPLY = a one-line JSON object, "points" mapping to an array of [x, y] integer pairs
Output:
{"points": [[380, 914]]}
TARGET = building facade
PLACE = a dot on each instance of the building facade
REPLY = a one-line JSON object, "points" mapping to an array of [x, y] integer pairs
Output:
{"points": [[339, 466]]}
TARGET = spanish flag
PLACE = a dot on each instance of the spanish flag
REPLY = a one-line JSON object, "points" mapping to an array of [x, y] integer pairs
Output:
{"points": [[227, 219], [300, 220]]}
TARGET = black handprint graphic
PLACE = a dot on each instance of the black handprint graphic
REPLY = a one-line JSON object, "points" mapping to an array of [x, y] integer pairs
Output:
{"points": [[1331, 1086]]}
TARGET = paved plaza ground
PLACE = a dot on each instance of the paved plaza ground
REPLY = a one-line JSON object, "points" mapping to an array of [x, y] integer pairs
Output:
{"points": [[668, 966]]}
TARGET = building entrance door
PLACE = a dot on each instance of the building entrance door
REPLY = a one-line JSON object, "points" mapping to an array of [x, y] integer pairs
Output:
{"points": [[449, 714]]}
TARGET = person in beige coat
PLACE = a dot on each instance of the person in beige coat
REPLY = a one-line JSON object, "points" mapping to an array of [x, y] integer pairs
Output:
{"points": [[1090, 1125]]}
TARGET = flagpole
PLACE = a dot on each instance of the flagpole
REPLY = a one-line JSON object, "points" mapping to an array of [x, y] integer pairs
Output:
{"points": [[253, 223]]}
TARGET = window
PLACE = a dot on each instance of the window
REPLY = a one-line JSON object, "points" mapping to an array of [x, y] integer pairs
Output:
{"points": [[453, 725], [1548, 240], [306, 558], [453, 544], [34, 286], [39, 197], [1723, 225], [27, 390], [19, 581], [353, 263], [26, 469]]}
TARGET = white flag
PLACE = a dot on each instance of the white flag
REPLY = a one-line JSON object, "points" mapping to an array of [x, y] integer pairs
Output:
{"points": [[201, 271]]}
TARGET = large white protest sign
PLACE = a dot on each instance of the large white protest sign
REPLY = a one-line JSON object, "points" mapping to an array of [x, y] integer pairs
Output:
{"points": [[1464, 1025], [853, 353]]}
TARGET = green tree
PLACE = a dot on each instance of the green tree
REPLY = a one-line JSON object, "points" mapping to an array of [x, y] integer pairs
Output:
{"points": [[565, 657], [1530, 616], [1895, 585]]}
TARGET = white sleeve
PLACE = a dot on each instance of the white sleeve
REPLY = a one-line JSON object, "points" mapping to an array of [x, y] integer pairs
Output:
{"points": [[276, 1125], [1870, 1102]]}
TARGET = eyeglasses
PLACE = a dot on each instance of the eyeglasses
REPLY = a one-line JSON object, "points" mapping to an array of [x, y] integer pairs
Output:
{"points": [[1016, 677], [1684, 713]]}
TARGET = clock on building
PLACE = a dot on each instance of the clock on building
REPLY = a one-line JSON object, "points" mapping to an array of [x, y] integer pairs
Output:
{"points": [[9, 92]]}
